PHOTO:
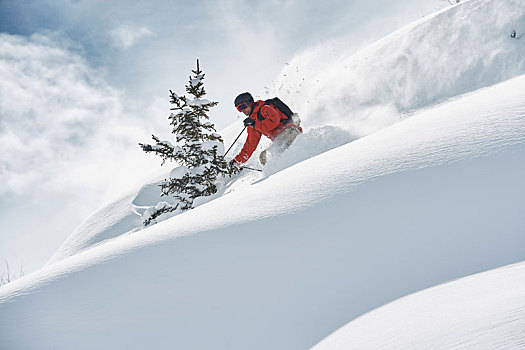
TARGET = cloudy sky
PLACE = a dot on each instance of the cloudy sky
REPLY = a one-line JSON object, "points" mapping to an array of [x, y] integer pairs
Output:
{"points": [[83, 81]]}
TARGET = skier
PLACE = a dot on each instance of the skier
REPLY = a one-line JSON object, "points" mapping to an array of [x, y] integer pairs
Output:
{"points": [[265, 118]]}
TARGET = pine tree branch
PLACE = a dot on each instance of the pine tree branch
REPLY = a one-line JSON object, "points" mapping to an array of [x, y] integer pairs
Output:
{"points": [[192, 129]]}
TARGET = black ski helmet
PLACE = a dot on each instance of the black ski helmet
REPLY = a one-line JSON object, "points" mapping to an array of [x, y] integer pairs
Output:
{"points": [[244, 97]]}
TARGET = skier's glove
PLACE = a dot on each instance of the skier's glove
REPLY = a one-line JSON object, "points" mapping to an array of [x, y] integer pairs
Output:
{"points": [[233, 166], [249, 122]]}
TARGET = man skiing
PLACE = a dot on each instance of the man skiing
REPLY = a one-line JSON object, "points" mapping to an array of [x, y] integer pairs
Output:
{"points": [[265, 118]]}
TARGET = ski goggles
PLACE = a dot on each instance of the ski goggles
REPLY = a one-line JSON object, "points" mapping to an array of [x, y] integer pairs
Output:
{"points": [[242, 106]]}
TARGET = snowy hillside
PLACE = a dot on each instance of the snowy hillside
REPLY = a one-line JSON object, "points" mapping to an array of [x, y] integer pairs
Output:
{"points": [[304, 251], [431, 60], [331, 230], [484, 311], [443, 55]]}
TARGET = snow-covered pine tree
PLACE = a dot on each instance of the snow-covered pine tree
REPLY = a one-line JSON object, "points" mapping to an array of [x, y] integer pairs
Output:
{"points": [[199, 151]]}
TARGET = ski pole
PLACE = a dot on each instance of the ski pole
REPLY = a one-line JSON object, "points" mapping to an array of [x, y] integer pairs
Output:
{"points": [[235, 141], [245, 167]]}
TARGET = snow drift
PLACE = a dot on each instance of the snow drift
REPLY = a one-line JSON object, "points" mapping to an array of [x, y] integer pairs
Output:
{"points": [[484, 311]]}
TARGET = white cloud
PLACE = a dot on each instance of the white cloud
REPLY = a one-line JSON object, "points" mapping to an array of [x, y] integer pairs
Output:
{"points": [[50, 104], [68, 143], [61, 123], [126, 36]]}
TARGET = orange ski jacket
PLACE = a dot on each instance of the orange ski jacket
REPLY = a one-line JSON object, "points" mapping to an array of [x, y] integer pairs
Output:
{"points": [[273, 123]]}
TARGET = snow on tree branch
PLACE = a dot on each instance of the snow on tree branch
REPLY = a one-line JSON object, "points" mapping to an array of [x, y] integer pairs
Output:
{"points": [[199, 151]]}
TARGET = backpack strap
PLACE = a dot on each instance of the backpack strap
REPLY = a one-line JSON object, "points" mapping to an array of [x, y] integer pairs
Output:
{"points": [[259, 114]]}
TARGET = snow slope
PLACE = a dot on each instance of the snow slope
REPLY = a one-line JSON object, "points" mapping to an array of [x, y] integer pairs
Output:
{"points": [[118, 218], [124, 216], [438, 57], [432, 198], [484, 311], [281, 261], [443, 55]]}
